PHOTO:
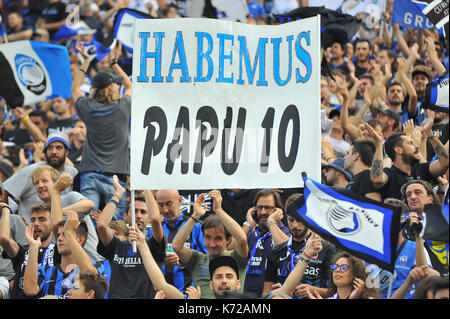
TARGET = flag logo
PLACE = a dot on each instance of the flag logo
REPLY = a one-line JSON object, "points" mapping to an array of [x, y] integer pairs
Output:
{"points": [[343, 221], [30, 73]]}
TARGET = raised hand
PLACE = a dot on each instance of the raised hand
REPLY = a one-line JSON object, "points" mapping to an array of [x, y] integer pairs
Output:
{"points": [[63, 182], [193, 292], [358, 285]]}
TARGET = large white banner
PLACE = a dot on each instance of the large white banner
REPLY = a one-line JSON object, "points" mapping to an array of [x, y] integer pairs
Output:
{"points": [[220, 104]]}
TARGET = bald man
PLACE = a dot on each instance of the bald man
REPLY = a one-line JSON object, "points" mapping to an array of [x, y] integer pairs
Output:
{"points": [[169, 203]]}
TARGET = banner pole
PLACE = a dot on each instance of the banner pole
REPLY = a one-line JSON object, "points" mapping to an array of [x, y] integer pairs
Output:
{"points": [[133, 219]]}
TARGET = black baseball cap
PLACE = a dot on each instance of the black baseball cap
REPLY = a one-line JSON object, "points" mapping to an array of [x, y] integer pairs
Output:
{"points": [[223, 261], [102, 79]]}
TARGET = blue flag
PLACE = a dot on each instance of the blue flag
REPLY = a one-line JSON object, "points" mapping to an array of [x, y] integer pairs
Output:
{"points": [[365, 228], [34, 71], [407, 14], [68, 31], [123, 29]]}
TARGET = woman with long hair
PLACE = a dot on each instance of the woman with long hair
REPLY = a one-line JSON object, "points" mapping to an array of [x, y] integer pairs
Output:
{"points": [[347, 279]]}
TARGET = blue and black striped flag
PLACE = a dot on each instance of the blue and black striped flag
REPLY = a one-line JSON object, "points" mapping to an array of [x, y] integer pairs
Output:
{"points": [[365, 228]]}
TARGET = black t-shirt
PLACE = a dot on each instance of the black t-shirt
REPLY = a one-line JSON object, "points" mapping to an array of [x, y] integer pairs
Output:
{"points": [[361, 183], [52, 257], [279, 264], [54, 12], [129, 279], [397, 177]]}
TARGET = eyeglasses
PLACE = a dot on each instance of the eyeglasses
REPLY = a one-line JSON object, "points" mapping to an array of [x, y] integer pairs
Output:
{"points": [[342, 268], [267, 208]]}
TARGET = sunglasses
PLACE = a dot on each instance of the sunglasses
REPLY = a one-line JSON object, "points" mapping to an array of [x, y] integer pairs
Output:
{"points": [[267, 208], [341, 268]]}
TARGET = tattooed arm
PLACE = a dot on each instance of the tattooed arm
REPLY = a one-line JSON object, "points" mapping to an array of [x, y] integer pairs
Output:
{"points": [[377, 176], [439, 166]]}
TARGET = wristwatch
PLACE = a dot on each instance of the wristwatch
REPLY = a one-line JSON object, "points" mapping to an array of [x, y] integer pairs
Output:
{"points": [[271, 223]]}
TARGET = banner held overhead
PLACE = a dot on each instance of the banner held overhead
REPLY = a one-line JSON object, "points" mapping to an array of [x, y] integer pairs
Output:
{"points": [[221, 104]]}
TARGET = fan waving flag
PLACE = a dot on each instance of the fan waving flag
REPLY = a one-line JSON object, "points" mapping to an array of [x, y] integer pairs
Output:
{"points": [[363, 227], [33, 71]]}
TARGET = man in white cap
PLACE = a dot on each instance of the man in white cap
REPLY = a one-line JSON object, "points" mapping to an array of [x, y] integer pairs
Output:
{"points": [[20, 185]]}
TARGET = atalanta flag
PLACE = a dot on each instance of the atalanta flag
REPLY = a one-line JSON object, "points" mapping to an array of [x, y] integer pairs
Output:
{"points": [[34, 71], [365, 228]]}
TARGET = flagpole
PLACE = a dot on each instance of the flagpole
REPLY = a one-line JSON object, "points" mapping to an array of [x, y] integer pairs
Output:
{"points": [[133, 219]]}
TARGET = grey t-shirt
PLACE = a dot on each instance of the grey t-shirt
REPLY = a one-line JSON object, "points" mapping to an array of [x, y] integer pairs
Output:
{"points": [[106, 144], [20, 185], [17, 233]]}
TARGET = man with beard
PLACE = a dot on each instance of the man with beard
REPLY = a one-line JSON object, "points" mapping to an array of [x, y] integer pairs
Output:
{"points": [[219, 230], [57, 280], [20, 185], [264, 231], [283, 258], [357, 161], [363, 50], [129, 279], [389, 119], [47, 253], [405, 162], [49, 185], [169, 203]]}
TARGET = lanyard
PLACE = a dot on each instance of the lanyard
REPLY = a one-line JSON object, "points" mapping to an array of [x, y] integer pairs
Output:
{"points": [[291, 253], [250, 268], [258, 239]]}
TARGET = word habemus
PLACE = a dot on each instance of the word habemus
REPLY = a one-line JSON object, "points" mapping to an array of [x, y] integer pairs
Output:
{"points": [[216, 55]]}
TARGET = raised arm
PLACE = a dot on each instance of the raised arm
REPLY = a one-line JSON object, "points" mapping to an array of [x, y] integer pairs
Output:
{"points": [[439, 166], [114, 57], [239, 237], [348, 126], [278, 236], [377, 176], [408, 85], [105, 233], [79, 254], [79, 77], [30, 279], [183, 251], [8, 244], [64, 181], [313, 246], [154, 272], [431, 51], [155, 216]]}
